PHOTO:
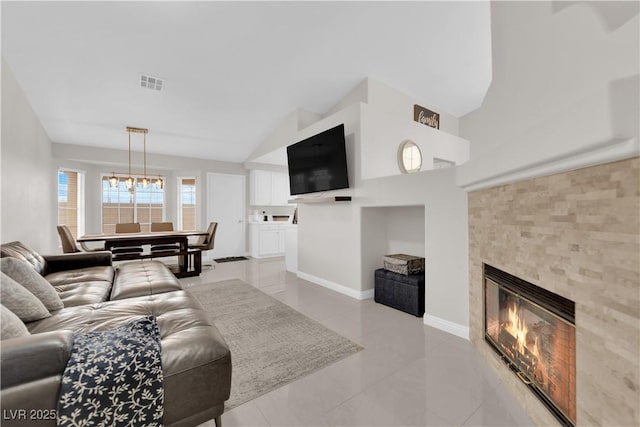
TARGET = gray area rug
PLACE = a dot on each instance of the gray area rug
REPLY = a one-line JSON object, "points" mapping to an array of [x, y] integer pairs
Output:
{"points": [[271, 343]]}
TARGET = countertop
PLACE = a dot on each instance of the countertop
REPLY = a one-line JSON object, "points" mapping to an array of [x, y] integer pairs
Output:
{"points": [[271, 223]]}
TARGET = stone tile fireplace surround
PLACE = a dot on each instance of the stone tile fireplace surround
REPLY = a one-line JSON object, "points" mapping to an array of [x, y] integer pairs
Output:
{"points": [[576, 234]]}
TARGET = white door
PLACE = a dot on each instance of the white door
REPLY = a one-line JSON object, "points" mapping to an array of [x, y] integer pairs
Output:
{"points": [[226, 206]]}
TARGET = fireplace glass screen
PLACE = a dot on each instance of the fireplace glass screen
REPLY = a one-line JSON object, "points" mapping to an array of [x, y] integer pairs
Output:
{"points": [[534, 332]]}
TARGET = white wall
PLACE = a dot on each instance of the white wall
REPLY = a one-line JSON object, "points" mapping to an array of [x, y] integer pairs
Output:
{"points": [[321, 226], [359, 94], [390, 230], [29, 184], [285, 134], [333, 249], [405, 230], [383, 133], [374, 242], [400, 105], [564, 93], [445, 234]]}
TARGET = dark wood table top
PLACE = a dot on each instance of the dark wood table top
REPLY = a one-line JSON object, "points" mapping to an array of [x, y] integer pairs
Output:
{"points": [[97, 237]]}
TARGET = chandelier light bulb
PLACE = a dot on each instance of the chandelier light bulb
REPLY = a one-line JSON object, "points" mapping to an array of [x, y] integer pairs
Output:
{"points": [[113, 181]]}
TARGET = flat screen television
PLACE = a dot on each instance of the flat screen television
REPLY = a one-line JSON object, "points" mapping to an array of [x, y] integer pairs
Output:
{"points": [[318, 163]]}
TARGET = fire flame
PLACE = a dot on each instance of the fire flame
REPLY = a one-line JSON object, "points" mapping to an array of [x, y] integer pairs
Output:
{"points": [[517, 328]]}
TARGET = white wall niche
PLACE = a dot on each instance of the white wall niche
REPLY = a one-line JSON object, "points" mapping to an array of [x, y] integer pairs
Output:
{"points": [[390, 230]]}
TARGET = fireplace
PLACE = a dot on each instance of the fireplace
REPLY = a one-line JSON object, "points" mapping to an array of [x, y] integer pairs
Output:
{"points": [[533, 330]]}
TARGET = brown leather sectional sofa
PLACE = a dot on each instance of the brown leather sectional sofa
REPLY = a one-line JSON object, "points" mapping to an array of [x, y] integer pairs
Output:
{"points": [[196, 361]]}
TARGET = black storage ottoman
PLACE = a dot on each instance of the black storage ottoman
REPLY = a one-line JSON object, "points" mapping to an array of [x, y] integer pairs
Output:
{"points": [[400, 291]]}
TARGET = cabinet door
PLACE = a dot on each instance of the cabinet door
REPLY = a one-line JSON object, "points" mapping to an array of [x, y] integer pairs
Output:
{"points": [[269, 242], [260, 193], [280, 189]]}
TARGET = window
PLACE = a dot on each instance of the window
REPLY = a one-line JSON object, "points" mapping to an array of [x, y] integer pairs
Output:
{"points": [[187, 204], [409, 157], [119, 204], [71, 201]]}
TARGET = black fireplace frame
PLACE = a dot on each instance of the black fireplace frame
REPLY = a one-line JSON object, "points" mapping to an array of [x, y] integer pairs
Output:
{"points": [[553, 303]]}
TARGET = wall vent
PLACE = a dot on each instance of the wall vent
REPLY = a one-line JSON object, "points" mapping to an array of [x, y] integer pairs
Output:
{"points": [[150, 82]]}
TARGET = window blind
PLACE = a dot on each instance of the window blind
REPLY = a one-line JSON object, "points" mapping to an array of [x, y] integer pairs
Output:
{"points": [[119, 205], [68, 207], [188, 203]]}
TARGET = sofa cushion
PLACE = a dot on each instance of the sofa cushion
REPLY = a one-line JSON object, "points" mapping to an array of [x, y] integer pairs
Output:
{"points": [[89, 274], [21, 251], [194, 354], [23, 273], [82, 286], [82, 293], [12, 326], [20, 301], [136, 279]]}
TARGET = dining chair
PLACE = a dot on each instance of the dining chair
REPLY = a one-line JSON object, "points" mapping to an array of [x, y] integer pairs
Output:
{"points": [[206, 243], [67, 240], [127, 227], [69, 243], [163, 226]]}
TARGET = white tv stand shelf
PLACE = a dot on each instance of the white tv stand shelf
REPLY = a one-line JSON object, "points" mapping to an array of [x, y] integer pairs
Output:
{"points": [[328, 199]]}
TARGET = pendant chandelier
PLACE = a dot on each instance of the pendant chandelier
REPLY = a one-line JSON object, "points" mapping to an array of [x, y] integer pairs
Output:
{"points": [[129, 181]]}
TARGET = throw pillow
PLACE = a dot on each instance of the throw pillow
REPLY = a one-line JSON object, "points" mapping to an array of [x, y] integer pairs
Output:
{"points": [[23, 273], [12, 326], [114, 377], [20, 301]]}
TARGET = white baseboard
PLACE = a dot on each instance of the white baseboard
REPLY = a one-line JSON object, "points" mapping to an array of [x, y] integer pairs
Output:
{"points": [[368, 294], [360, 295], [447, 326]]}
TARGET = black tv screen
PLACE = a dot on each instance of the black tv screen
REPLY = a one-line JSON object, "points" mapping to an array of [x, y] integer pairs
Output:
{"points": [[318, 163]]}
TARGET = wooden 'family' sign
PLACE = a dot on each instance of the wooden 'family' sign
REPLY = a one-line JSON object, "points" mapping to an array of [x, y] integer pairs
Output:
{"points": [[426, 116]]}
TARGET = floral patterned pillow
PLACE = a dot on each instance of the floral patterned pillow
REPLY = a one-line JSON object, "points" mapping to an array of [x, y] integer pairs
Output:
{"points": [[114, 377]]}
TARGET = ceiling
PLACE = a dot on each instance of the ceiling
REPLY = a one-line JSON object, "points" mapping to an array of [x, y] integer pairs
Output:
{"points": [[233, 70]]}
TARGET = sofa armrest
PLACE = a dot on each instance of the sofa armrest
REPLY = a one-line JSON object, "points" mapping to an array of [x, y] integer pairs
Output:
{"points": [[34, 357], [78, 260]]}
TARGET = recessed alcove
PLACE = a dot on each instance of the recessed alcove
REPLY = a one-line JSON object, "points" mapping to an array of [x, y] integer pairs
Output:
{"points": [[388, 230]]}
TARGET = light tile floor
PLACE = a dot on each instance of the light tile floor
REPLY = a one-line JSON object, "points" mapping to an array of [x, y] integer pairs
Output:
{"points": [[408, 374]]}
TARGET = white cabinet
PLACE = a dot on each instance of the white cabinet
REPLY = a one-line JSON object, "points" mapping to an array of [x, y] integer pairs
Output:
{"points": [[280, 194], [269, 241], [268, 188], [260, 188], [266, 240]]}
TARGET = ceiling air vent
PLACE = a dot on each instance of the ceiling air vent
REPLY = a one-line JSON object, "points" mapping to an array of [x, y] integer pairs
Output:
{"points": [[149, 82]]}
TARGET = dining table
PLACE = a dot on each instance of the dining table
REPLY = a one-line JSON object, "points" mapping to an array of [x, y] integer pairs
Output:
{"points": [[181, 237]]}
